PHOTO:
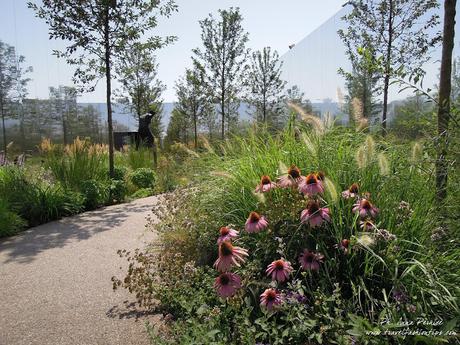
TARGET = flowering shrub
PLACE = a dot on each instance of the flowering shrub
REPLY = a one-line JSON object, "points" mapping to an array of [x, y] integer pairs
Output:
{"points": [[327, 249]]}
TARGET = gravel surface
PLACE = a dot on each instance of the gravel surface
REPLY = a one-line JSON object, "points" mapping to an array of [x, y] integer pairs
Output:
{"points": [[55, 285]]}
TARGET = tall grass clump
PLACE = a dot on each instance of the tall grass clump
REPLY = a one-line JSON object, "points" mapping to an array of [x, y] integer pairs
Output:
{"points": [[72, 164], [36, 201], [10, 222], [138, 158], [340, 214]]}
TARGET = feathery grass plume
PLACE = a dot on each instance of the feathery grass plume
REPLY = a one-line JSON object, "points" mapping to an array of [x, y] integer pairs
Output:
{"points": [[309, 144], [282, 168], [260, 197], [9, 145], [365, 240], [328, 120], [184, 148], [365, 153], [313, 120], [361, 157], [370, 147], [331, 190], [223, 174], [416, 153], [45, 146], [207, 144], [384, 165], [357, 112]]}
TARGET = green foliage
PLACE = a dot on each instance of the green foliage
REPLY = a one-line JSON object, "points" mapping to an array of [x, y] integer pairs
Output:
{"points": [[117, 191], [119, 172], [142, 193], [193, 103], [138, 70], [94, 193], [77, 162], [222, 58], [265, 88], [10, 222], [379, 281], [140, 158], [35, 201], [414, 119], [143, 178]]}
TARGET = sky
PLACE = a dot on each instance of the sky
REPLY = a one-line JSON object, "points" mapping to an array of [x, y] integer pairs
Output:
{"points": [[271, 23]]}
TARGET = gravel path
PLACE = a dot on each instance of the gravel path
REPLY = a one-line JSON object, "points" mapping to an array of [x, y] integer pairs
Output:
{"points": [[55, 283]]}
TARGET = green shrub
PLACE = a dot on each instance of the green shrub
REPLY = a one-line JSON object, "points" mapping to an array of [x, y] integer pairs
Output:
{"points": [[117, 191], [142, 193], [94, 192], [119, 172], [10, 222], [143, 178]]}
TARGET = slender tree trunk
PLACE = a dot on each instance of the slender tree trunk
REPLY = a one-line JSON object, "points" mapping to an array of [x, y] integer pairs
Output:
{"points": [[222, 109], [387, 70], [195, 129], [444, 99], [264, 110], [109, 89], [3, 126]]}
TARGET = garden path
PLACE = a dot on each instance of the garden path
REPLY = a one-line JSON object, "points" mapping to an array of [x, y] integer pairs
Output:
{"points": [[55, 285]]}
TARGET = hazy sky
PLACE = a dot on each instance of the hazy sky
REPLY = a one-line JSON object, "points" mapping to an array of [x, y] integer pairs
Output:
{"points": [[272, 23]]}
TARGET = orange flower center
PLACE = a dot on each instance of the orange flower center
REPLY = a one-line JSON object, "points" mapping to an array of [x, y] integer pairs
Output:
{"points": [[313, 206], [366, 204], [270, 296], [294, 172], [224, 231], [265, 180], [279, 265], [226, 248], [353, 188], [308, 257], [254, 217], [311, 179], [224, 279]]}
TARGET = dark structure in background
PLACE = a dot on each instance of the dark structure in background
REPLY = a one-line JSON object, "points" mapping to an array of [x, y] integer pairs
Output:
{"points": [[143, 136], [124, 138]]}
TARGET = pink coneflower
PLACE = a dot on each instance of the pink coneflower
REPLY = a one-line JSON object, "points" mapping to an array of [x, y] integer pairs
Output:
{"points": [[314, 215], [229, 256], [255, 222], [270, 298], [227, 283], [367, 225], [344, 246], [279, 270], [226, 234], [351, 192], [292, 179], [310, 260], [365, 209], [311, 185], [265, 184]]}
